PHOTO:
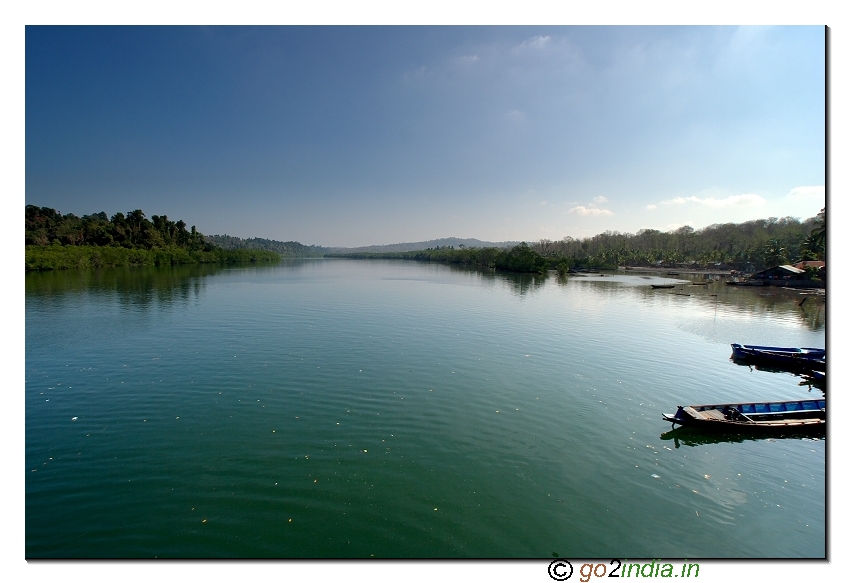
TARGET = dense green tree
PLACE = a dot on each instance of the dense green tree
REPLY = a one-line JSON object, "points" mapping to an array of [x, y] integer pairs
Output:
{"points": [[762, 243], [521, 258], [774, 254], [816, 241], [56, 241], [282, 248]]}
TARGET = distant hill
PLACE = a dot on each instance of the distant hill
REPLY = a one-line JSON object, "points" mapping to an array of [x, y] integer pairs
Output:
{"points": [[283, 248], [296, 249], [447, 242]]}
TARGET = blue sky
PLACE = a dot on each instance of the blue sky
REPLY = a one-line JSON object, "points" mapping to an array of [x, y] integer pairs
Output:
{"points": [[371, 135]]}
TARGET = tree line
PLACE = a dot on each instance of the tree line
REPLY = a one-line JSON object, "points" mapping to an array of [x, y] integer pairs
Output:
{"points": [[57, 241], [282, 248], [759, 244], [520, 259]]}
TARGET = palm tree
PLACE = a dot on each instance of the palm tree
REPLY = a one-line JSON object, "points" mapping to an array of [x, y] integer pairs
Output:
{"points": [[816, 240], [774, 254]]}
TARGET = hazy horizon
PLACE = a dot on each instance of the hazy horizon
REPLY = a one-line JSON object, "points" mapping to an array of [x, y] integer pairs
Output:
{"points": [[356, 136]]}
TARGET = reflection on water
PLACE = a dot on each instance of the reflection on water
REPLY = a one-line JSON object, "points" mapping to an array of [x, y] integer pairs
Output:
{"points": [[136, 285], [520, 284], [693, 437], [524, 283], [774, 301], [334, 408], [806, 379], [814, 313], [716, 299], [144, 285]]}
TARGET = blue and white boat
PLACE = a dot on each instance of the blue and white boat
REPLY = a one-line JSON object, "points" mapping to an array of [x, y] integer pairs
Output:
{"points": [[763, 417], [793, 358]]}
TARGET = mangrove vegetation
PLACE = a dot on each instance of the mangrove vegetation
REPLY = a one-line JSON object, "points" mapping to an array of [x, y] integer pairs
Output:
{"points": [[282, 248], [57, 241], [751, 245]]}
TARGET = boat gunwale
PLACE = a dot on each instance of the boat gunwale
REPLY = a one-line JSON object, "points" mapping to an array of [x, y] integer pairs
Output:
{"points": [[740, 403]]}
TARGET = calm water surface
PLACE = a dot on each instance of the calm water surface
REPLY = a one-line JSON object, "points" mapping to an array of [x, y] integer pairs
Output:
{"points": [[339, 408]]}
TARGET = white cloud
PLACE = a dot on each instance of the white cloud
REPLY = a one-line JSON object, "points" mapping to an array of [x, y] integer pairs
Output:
{"points": [[600, 199], [584, 211], [542, 203], [807, 192], [535, 42], [651, 207], [736, 200], [466, 60]]}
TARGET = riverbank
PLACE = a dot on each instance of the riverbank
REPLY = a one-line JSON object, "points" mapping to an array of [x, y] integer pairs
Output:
{"points": [[676, 271]]}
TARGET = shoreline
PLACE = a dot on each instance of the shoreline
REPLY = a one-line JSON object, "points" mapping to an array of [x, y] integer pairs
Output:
{"points": [[670, 270]]}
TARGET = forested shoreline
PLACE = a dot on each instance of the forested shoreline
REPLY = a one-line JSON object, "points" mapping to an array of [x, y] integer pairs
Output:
{"points": [[282, 248], [521, 258], [57, 241], [757, 244], [761, 243]]}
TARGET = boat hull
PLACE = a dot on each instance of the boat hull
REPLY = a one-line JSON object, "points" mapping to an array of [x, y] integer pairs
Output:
{"points": [[788, 358], [764, 417]]}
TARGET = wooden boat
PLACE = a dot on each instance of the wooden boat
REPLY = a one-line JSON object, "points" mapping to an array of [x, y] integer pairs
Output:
{"points": [[793, 358], [663, 285], [745, 282], [776, 416]]}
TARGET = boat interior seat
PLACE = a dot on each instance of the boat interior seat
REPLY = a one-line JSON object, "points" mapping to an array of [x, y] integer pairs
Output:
{"points": [[713, 414]]}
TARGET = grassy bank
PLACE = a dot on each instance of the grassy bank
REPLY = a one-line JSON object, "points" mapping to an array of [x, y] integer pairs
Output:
{"points": [[44, 258]]}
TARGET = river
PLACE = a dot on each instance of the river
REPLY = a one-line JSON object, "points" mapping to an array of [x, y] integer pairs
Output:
{"points": [[340, 408]]}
